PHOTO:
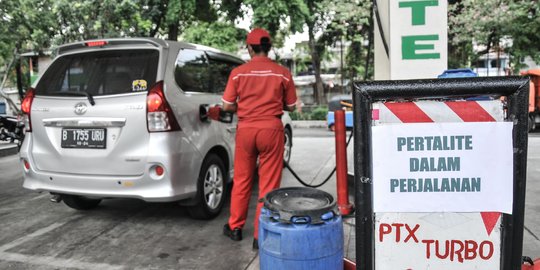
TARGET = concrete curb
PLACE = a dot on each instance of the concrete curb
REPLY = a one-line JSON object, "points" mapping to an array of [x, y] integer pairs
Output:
{"points": [[8, 150], [309, 124]]}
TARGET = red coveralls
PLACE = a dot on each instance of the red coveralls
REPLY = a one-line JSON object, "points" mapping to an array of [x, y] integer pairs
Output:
{"points": [[260, 88]]}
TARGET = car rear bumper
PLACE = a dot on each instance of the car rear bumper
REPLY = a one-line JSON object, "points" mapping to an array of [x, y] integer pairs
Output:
{"points": [[181, 168], [107, 186]]}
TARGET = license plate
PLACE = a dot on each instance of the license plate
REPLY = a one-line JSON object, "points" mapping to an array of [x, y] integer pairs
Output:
{"points": [[95, 138]]}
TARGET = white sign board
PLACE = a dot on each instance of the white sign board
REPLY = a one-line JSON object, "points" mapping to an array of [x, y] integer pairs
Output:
{"points": [[418, 38], [453, 241], [443, 167]]}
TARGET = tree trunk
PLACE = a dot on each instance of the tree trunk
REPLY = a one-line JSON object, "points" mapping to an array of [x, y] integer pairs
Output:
{"points": [[316, 62], [488, 49], [154, 31], [173, 31], [370, 42], [19, 78], [157, 20], [18, 71]]}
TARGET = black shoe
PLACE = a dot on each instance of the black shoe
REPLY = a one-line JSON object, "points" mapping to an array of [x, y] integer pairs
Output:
{"points": [[255, 243], [235, 235]]}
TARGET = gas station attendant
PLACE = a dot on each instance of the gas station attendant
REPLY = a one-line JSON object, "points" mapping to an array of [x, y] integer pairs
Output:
{"points": [[258, 91]]}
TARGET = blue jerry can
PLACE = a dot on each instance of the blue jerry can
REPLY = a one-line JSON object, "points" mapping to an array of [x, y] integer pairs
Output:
{"points": [[300, 228]]}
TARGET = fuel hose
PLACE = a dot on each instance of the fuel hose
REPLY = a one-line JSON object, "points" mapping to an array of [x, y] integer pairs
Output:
{"points": [[324, 181]]}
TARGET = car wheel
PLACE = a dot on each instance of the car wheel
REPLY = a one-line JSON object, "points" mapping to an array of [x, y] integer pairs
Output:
{"points": [[80, 202], [211, 189], [288, 145]]}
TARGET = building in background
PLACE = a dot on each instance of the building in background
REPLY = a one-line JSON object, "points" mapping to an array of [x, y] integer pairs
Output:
{"points": [[332, 65], [492, 64], [12, 94], [37, 63]]}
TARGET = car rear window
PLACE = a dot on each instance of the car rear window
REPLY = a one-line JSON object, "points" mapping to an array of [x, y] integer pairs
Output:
{"points": [[101, 73]]}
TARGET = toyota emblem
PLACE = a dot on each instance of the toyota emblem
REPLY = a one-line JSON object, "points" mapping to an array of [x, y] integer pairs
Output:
{"points": [[80, 108]]}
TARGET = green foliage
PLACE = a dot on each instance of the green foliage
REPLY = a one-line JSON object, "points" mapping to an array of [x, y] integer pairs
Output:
{"points": [[296, 115], [512, 26], [232, 9], [25, 24], [319, 113], [279, 17], [349, 22], [525, 31], [36, 25], [219, 35], [508, 25]]}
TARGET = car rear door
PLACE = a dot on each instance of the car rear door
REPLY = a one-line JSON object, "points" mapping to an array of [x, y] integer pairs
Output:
{"points": [[202, 75], [89, 113]]}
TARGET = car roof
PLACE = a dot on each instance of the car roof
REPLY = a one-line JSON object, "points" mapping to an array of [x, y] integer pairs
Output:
{"points": [[142, 41]]}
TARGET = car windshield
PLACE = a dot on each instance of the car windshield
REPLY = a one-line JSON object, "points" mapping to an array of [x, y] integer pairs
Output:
{"points": [[101, 73]]}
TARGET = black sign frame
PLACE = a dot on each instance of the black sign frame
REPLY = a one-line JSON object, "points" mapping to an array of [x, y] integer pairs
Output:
{"points": [[516, 91]]}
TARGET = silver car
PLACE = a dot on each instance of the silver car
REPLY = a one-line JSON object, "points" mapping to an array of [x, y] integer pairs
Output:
{"points": [[124, 118]]}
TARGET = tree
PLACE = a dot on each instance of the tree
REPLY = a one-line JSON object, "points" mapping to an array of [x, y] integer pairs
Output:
{"points": [[335, 19], [489, 24], [221, 35], [25, 24], [315, 23], [524, 30], [23, 27], [178, 17], [279, 17], [350, 22]]}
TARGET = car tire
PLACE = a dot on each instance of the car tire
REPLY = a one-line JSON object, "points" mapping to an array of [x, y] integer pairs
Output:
{"points": [[80, 202], [211, 189], [287, 142]]}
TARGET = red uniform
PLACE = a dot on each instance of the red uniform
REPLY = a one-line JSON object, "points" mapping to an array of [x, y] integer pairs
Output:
{"points": [[261, 89]]}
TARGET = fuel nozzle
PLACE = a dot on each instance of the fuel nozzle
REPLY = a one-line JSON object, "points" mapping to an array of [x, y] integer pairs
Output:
{"points": [[214, 112]]}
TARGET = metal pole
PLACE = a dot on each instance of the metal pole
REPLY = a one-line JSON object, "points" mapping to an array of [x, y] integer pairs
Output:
{"points": [[512, 233], [344, 206], [363, 185]]}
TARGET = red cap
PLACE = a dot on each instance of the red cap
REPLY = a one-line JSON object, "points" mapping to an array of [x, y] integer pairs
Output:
{"points": [[254, 37]]}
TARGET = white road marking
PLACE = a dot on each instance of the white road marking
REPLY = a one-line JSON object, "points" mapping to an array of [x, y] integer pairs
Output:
{"points": [[40, 197], [55, 262], [30, 236], [47, 260]]}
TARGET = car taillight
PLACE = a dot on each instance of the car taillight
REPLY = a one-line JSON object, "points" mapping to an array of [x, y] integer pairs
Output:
{"points": [[26, 107], [97, 43], [159, 114]]}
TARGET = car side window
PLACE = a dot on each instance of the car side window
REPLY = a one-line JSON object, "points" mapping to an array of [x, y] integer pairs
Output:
{"points": [[191, 71], [221, 71], [220, 67]]}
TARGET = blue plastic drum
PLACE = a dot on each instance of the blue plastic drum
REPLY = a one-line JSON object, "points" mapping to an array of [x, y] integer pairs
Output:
{"points": [[300, 228]]}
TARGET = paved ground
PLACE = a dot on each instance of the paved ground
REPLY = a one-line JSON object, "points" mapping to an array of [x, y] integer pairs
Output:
{"points": [[531, 238], [7, 149], [131, 234]]}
